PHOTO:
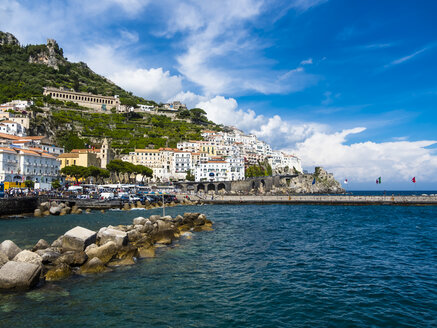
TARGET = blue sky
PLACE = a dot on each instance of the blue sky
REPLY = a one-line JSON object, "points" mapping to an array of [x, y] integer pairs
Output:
{"points": [[349, 85]]}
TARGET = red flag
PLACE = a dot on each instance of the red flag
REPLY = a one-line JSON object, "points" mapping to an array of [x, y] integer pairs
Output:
{"points": [[413, 180]]}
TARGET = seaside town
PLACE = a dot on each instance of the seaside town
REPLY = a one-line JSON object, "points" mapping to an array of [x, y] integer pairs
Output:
{"points": [[220, 156]]}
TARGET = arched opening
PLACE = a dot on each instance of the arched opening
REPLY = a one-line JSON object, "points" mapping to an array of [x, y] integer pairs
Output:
{"points": [[263, 184], [221, 186], [253, 185], [211, 187], [200, 187]]}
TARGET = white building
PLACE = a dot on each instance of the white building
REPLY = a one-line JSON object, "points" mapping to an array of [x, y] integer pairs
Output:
{"points": [[231, 169], [145, 108], [11, 127], [182, 163], [28, 164]]}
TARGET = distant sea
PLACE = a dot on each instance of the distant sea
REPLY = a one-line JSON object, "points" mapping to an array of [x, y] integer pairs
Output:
{"points": [[262, 266]]}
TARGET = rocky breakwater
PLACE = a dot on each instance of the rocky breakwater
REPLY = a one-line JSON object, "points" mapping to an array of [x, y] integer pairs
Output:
{"points": [[55, 208], [83, 251]]}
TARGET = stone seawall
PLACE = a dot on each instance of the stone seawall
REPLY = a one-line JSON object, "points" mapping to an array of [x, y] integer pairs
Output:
{"points": [[325, 200], [11, 206]]}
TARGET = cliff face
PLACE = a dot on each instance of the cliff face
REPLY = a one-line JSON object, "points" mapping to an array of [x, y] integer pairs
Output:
{"points": [[324, 183], [8, 39], [51, 55]]}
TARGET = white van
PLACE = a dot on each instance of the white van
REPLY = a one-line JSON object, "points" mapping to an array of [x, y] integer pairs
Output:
{"points": [[107, 196]]}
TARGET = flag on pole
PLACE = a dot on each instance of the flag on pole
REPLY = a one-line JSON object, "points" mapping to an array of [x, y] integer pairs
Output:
{"points": [[378, 181], [345, 181], [413, 180], [314, 181]]}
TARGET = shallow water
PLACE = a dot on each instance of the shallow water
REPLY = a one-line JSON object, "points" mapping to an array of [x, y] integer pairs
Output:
{"points": [[263, 266]]}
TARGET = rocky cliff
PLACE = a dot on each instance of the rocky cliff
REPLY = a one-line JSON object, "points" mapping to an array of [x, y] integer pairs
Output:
{"points": [[51, 55]]}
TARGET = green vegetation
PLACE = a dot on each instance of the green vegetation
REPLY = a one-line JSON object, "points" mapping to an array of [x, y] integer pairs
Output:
{"points": [[75, 129], [56, 184], [260, 170], [190, 176], [20, 79]]}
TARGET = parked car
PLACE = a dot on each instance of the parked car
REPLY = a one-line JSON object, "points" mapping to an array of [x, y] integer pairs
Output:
{"points": [[107, 196]]}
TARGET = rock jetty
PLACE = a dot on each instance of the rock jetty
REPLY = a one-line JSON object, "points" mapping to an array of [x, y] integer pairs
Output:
{"points": [[83, 251]]}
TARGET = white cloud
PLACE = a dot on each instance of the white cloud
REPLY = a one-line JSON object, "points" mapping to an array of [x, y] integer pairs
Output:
{"points": [[150, 83], [395, 161], [153, 83], [407, 58], [308, 61]]}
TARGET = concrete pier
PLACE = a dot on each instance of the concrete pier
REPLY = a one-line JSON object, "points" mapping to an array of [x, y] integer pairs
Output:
{"points": [[323, 200]]}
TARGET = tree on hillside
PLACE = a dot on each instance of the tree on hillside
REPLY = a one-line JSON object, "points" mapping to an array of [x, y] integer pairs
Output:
{"points": [[198, 115]]}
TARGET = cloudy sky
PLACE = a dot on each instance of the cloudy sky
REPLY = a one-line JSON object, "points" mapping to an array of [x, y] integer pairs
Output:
{"points": [[348, 85]]}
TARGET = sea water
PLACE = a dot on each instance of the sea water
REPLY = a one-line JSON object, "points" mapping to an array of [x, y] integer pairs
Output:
{"points": [[262, 266]]}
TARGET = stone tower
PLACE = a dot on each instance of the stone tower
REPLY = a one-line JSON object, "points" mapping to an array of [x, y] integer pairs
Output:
{"points": [[105, 154]]}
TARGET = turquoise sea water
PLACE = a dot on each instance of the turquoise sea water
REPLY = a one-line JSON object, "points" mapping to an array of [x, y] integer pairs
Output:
{"points": [[263, 266]]}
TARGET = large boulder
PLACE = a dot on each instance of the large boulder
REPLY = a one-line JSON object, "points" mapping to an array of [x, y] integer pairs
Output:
{"points": [[72, 258], [48, 255], [44, 206], [134, 235], [28, 257], [37, 213], [58, 242], [140, 220], [78, 238], [165, 237], [3, 259], [41, 244], [154, 218], [164, 225], [200, 220], [9, 248], [146, 251], [58, 273], [125, 256], [110, 234], [55, 210], [19, 275], [95, 265], [105, 252]]}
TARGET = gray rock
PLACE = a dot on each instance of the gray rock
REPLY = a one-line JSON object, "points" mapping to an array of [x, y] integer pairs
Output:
{"points": [[44, 206], [163, 225], [200, 220], [110, 234], [78, 238], [95, 265], [139, 221], [41, 244], [19, 275], [28, 257], [58, 242], [47, 255], [133, 235], [56, 210], [9, 248], [3, 259], [72, 258], [104, 252], [154, 218]]}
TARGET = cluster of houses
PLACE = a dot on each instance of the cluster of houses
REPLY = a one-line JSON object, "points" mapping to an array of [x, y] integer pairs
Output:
{"points": [[221, 156]]}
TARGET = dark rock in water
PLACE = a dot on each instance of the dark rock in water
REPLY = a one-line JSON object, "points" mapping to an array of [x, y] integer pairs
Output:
{"points": [[125, 256], [58, 273], [190, 217], [9, 248], [78, 238], [165, 237], [48, 255], [41, 244], [200, 220], [72, 258], [94, 265], [3, 259], [19, 275]]}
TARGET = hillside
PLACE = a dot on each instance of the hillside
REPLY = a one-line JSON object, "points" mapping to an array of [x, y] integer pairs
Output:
{"points": [[25, 70]]}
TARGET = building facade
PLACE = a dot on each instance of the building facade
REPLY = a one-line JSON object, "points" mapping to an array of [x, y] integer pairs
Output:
{"points": [[89, 100]]}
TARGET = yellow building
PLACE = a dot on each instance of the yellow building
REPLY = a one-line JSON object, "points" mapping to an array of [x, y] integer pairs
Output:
{"points": [[80, 157]]}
